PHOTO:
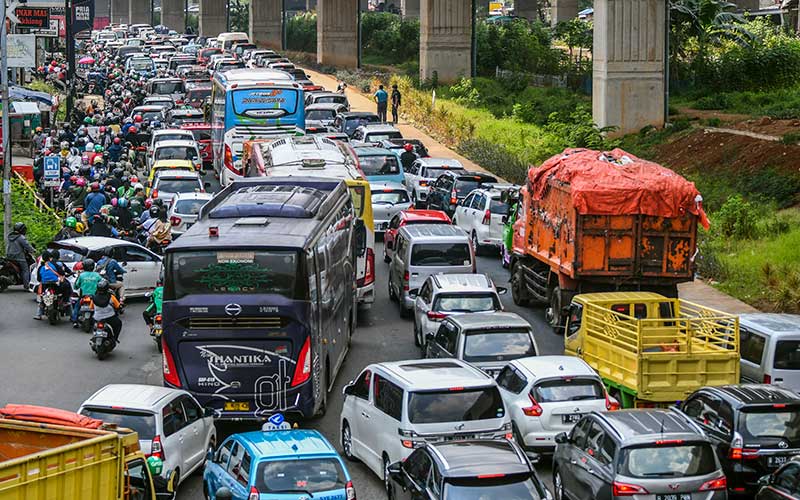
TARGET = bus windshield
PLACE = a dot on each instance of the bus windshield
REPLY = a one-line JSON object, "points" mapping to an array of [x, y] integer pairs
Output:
{"points": [[264, 103], [231, 271]]}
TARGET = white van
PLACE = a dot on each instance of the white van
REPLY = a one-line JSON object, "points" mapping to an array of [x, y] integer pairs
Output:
{"points": [[392, 408], [422, 250], [226, 40], [770, 349]]}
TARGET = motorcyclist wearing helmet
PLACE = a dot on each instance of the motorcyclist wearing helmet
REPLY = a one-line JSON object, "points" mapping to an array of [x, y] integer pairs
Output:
{"points": [[52, 274], [408, 157], [122, 212], [95, 200], [158, 229], [106, 307], [21, 252], [125, 190], [69, 230], [77, 194], [115, 149], [86, 284], [114, 273], [154, 307], [101, 225]]}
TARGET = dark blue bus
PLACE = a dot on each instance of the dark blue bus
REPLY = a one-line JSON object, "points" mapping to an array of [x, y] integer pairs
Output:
{"points": [[260, 297]]}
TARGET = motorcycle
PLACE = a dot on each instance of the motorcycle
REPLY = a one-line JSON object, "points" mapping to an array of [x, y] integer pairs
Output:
{"points": [[156, 329], [86, 314], [9, 274], [54, 305], [103, 340]]}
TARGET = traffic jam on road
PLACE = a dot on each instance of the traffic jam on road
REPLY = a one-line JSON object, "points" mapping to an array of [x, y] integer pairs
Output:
{"points": [[249, 209]]}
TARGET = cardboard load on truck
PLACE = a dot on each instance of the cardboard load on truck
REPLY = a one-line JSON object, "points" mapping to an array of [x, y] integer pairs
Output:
{"points": [[617, 183]]}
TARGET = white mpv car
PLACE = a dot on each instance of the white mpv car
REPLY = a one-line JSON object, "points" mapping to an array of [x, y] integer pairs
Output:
{"points": [[392, 408]]}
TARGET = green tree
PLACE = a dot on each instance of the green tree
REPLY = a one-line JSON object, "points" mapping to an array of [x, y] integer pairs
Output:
{"points": [[239, 15]]}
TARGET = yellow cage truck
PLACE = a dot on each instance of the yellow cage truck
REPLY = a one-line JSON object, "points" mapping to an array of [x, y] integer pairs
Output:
{"points": [[651, 350], [47, 461]]}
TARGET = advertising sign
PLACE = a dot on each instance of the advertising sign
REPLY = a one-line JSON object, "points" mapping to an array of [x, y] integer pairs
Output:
{"points": [[33, 17], [82, 15], [21, 51]]}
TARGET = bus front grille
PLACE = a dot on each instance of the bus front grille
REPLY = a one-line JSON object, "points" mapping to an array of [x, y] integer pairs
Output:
{"points": [[228, 323]]}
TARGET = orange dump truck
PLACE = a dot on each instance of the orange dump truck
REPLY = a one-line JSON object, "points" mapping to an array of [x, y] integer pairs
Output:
{"points": [[592, 221]]}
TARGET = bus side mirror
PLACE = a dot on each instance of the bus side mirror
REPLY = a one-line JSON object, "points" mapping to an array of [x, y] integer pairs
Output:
{"points": [[561, 438], [361, 238], [224, 494]]}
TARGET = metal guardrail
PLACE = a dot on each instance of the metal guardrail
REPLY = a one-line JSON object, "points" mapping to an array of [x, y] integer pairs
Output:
{"points": [[38, 201]]}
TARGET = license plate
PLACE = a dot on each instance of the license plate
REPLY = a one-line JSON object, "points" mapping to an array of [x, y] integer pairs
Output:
{"points": [[776, 461], [237, 406], [675, 496], [571, 418], [101, 334]]}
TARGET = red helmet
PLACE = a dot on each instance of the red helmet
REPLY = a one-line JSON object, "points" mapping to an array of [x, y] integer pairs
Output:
{"points": [[137, 118], [117, 140], [148, 203], [408, 147], [53, 63], [133, 130], [95, 186], [102, 130]]}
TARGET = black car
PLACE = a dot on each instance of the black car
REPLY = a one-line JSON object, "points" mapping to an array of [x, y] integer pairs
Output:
{"points": [[465, 469], [782, 484], [755, 429], [450, 188]]}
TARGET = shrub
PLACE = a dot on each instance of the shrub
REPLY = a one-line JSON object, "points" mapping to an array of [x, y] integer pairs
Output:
{"points": [[390, 38], [301, 32], [517, 46], [791, 138], [42, 227], [737, 219], [494, 158]]}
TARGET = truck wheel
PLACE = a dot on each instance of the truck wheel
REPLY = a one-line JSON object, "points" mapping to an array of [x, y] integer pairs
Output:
{"points": [[518, 292], [554, 313]]}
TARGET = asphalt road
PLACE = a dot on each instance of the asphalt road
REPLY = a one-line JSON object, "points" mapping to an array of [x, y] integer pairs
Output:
{"points": [[54, 366]]}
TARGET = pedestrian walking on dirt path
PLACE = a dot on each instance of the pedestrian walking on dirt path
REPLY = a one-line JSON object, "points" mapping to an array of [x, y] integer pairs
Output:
{"points": [[382, 98], [397, 101]]}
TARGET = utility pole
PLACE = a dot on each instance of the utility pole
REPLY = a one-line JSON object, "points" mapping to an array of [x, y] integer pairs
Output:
{"points": [[70, 56], [6, 126]]}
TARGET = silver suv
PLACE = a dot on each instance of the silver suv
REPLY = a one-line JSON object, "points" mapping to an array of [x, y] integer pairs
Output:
{"points": [[646, 454]]}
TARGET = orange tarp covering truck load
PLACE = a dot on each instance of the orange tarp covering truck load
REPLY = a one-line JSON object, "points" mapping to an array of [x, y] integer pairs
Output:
{"points": [[593, 221]]}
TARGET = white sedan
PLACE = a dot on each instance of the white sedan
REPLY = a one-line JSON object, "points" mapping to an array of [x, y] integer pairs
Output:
{"points": [[143, 266]]}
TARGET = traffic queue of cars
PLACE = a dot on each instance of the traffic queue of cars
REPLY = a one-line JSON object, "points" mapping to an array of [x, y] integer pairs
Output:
{"points": [[467, 419]]}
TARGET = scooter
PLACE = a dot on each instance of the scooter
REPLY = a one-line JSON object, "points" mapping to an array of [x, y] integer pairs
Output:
{"points": [[9, 273], [53, 305], [86, 314], [156, 329], [103, 340]]}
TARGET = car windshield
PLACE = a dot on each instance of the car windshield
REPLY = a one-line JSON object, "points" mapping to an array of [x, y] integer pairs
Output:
{"points": [[314, 475], [330, 99], [682, 460], [497, 346], [353, 123], [434, 172], [568, 389], [441, 254], [235, 271], [455, 405], [198, 95], [379, 165], [68, 255], [201, 135], [168, 87], [225, 66], [171, 137], [498, 207], [787, 355], [176, 153], [320, 114], [506, 487], [465, 186], [141, 64], [189, 207], [382, 136], [466, 303], [390, 197], [188, 185], [143, 423], [765, 423], [151, 115]]}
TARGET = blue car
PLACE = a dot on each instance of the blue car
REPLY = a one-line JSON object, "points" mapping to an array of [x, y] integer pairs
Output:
{"points": [[380, 164], [278, 463]]}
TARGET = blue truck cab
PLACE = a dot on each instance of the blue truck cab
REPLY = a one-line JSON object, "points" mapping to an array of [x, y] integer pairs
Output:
{"points": [[278, 463]]}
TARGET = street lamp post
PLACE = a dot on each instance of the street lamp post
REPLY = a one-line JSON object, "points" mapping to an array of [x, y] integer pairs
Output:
{"points": [[6, 126]]}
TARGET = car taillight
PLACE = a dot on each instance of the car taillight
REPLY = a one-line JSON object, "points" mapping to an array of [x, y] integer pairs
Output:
{"points": [[436, 316], [487, 218], [627, 490], [175, 221], [453, 197], [611, 405], [302, 371], [157, 449], [534, 410], [178, 101], [715, 484], [737, 451], [369, 271], [767, 379], [168, 368], [423, 183], [155, 194], [228, 160], [254, 494], [350, 491], [405, 281]]}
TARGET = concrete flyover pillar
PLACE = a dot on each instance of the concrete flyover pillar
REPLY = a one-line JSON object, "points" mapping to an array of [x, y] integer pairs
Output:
{"points": [[445, 47], [265, 23], [337, 33], [409, 8], [119, 11], [628, 64], [213, 17], [173, 14], [140, 11], [527, 9], [563, 10]]}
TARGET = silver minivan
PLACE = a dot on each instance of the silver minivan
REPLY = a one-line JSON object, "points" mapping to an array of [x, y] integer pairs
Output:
{"points": [[423, 250], [770, 349]]}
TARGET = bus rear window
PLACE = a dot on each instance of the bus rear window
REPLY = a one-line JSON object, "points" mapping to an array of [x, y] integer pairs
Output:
{"points": [[265, 103], [232, 271]]}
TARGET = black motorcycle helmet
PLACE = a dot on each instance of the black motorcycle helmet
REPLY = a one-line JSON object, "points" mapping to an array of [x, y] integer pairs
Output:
{"points": [[154, 211], [118, 173], [54, 255], [102, 285], [158, 202], [125, 179], [20, 228], [88, 264]]}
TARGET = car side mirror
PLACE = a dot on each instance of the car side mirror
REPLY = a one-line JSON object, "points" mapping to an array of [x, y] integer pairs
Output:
{"points": [[224, 494], [209, 412], [765, 480], [207, 185], [395, 471], [504, 219], [501, 290], [413, 293], [210, 455], [429, 337], [562, 438], [348, 389], [148, 295]]}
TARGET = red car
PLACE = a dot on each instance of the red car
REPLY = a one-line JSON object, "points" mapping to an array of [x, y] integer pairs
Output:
{"points": [[406, 218], [202, 134]]}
